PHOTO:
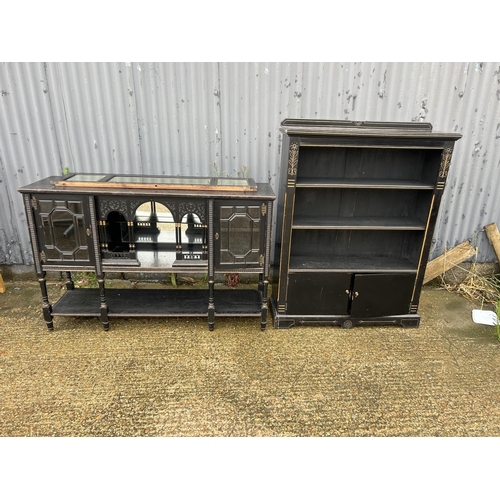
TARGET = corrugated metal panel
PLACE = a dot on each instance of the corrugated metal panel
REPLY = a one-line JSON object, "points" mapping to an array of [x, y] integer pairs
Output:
{"points": [[28, 150], [207, 118], [255, 98]]}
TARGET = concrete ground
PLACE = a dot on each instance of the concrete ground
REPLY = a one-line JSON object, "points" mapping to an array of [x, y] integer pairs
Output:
{"points": [[172, 377]]}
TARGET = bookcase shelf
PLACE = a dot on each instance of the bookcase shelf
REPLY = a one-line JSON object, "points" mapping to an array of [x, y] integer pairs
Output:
{"points": [[370, 223], [325, 182]]}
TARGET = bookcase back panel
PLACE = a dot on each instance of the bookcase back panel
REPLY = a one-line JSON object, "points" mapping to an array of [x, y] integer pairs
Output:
{"points": [[321, 202], [369, 163], [326, 244]]}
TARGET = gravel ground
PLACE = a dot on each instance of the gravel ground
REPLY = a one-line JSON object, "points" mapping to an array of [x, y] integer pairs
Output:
{"points": [[172, 377]]}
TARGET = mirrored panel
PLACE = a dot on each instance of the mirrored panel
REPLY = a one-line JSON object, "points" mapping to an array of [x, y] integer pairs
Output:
{"points": [[87, 178], [197, 181], [232, 182]]}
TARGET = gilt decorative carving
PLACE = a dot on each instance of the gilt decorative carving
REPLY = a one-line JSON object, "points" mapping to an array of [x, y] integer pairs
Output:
{"points": [[293, 158]]}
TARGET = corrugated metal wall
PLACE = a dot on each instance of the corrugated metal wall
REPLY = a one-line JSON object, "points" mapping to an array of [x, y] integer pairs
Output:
{"points": [[223, 118]]}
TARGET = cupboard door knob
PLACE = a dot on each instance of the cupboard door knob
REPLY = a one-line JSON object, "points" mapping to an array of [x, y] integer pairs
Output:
{"points": [[347, 291], [356, 294], [216, 236], [89, 232]]}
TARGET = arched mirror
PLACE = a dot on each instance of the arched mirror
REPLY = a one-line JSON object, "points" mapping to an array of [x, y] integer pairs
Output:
{"points": [[192, 241], [154, 235]]}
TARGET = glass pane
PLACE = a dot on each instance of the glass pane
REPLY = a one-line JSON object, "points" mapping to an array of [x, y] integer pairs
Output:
{"points": [[82, 232], [45, 206], [226, 212], [240, 234], [254, 212], [63, 226], [232, 182], [47, 232], [155, 235], [240, 240], [253, 258], [255, 234], [226, 258], [161, 180], [82, 254], [192, 237], [86, 178], [64, 230], [75, 207], [52, 254], [224, 231]]}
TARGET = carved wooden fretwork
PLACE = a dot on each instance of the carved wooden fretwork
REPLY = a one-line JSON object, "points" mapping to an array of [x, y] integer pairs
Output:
{"points": [[293, 158], [192, 207], [445, 162], [107, 206], [134, 205], [172, 206]]}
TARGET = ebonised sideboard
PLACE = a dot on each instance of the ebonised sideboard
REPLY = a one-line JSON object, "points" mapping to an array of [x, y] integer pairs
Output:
{"points": [[106, 223]]}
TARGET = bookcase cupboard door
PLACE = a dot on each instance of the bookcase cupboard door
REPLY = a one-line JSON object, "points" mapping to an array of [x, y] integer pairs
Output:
{"points": [[239, 234], [359, 295], [318, 293], [382, 294]]}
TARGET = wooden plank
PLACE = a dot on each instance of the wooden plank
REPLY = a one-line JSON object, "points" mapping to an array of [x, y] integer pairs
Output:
{"points": [[2, 284], [494, 237], [251, 187], [448, 260]]}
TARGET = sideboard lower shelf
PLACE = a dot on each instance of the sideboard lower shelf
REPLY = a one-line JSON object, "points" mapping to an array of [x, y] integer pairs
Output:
{"points": [[158, 302]]}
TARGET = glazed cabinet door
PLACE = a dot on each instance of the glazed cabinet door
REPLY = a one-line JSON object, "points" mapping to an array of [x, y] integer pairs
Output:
{"points": [[239, 234], [63, 229]]}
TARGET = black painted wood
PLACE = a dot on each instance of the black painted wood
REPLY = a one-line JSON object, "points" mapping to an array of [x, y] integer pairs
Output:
{"points": [[318, 293], [381, 294], [327, 182], [352, 264], [359, 203], [366, 222], [158, 302], [151, 230]]}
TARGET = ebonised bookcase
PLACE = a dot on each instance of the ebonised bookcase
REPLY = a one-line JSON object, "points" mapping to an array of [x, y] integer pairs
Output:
{"points": [[105, 223], [357, 207]]}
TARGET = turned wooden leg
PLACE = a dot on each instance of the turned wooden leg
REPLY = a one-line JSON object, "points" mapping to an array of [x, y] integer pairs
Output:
{"points": [[261, 282], [211, 306], [69, 281], [46, 307], [264, 310], [104, 305]]}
